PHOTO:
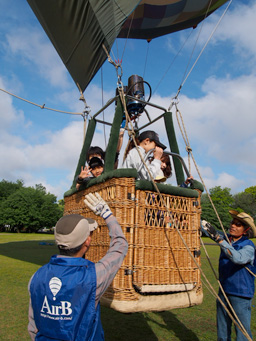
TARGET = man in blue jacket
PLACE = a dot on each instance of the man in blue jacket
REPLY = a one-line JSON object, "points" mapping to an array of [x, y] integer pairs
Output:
{"points": [[65, 293], [236, 273]]}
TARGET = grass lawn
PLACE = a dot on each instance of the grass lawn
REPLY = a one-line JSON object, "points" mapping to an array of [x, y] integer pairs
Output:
{"points": [[22, 254]]}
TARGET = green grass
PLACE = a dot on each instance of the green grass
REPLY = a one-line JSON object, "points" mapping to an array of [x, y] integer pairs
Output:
{"points": [[22, 254]]}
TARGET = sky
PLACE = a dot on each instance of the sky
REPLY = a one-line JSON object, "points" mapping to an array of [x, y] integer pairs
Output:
{"points": [[217, 99]]}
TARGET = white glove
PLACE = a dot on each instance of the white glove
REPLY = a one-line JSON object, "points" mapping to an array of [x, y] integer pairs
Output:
{"points": [[213, 234], [97, 205]]}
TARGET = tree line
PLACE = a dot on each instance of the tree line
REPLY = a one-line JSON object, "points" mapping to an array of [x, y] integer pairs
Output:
{"points": [[27, 209], [224, 201]]}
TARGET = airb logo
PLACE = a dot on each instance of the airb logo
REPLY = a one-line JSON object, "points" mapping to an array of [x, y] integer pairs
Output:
{"points": [[64, 308], [55, 284]]}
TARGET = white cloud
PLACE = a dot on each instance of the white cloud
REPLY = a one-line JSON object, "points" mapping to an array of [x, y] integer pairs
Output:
{"points": [[221, 130], [37, 54], [223, 179], [221, 124], [234, 36], [61, 149], [34, 163], [236, 30], [224, 119], [228, 180], [238, 26], [220, 121], [8, 115]]}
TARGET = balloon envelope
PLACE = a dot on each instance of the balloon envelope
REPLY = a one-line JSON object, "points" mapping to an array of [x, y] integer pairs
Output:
{"points": [[78, 29], [154, 18]]}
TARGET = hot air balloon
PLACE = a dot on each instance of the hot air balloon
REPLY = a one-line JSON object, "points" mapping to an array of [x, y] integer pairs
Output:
{"points": [[55, 285], [160, 271], [79, 28]]}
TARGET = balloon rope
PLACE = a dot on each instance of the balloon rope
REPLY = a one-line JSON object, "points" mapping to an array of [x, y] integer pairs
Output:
{"points": [[102, 103], [128, 33], [216, 26], [132, 134], [237, 322], [206, 43], [172, 61], [117, 65], [146, 61], [198, 35], [209, 287], [189, 150], [42, 106], [116, 42]]}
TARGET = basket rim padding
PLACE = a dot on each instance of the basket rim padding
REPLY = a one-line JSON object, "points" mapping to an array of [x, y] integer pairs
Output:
{"points": [[140, 184]]}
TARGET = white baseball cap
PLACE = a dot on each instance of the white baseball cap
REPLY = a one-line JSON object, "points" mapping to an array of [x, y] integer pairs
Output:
{"points": [[72, 230]]}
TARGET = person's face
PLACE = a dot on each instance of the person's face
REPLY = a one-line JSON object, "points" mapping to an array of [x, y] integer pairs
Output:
{"points": [[163, 165], [148, 145], [88, 243], [97, 171], [236, 228]]}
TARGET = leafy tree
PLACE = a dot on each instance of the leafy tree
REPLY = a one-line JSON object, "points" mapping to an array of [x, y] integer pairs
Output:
{"points": [[223, 202], [29, 209], [245, 201], [61, 204], [7, 188], [251, 190]]}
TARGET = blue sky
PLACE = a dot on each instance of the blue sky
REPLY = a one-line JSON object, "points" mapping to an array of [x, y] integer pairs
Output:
{"points": [[217, 101]]}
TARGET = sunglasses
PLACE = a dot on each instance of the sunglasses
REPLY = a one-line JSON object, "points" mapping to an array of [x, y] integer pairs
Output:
{"points": [[237, 223]]}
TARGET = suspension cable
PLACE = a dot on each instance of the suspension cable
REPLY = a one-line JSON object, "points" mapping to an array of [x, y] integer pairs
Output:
{"points": [[237, 322], [204, 47], [102, 103], [172, 61], [41, 106], [196, 41], [128, 33], [189, 150], [146, 60], [131, 133]]}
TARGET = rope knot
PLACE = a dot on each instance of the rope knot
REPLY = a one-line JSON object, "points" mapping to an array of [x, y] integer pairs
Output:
{"points": [[188, 149], [131, 134]]}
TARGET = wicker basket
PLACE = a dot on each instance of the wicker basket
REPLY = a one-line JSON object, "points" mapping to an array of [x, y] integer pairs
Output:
{"points": [[158, 272]]}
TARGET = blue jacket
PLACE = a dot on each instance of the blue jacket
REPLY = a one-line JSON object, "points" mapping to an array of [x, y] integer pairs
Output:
{"points": [[235, 278], [63, 300]]}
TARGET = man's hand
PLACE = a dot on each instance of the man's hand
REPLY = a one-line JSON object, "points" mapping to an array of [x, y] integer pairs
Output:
{"points": [[189, 179], [97, 205], [213, 234]]}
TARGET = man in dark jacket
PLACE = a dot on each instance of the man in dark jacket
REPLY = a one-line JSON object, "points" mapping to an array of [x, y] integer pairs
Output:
{"points": [[65, 293], [236, 273]]}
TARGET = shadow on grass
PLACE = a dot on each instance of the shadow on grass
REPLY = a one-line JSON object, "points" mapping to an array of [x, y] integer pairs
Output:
{"points": [[137, 326], [117, 326], [125, 327], [180, 331], [36, 252]]}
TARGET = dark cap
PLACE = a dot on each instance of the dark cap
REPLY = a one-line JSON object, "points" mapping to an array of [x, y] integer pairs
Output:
{"points": [[95, 162], [72, 230], [153, 136]]}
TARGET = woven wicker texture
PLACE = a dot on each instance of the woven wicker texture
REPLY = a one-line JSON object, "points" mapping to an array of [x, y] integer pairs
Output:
{"points": [[157, 257]]}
